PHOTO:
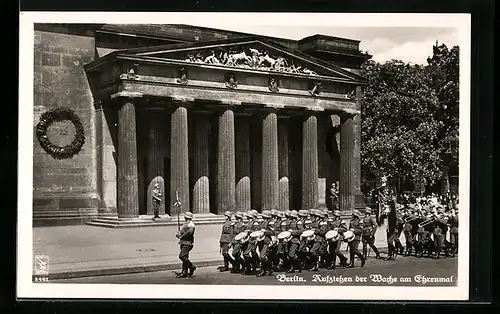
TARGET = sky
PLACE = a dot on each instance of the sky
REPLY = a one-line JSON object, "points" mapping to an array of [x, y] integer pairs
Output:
{"points": [[408, 44]]}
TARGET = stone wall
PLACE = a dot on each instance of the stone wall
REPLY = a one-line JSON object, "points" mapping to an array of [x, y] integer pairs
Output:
{"points": [[67, 187]]}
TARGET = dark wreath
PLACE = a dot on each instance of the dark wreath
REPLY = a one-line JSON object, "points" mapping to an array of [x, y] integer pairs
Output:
{"points": [[56, 115]]}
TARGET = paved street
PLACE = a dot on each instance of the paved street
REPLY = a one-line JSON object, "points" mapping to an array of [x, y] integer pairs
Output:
{"points": [[409, 267]]}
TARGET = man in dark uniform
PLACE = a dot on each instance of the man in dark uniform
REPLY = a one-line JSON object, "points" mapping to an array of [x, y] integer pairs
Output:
{"points": [[295, 263], [320, 228], [238, 227], [275, 227], [186, 241], [453, 222], [334, 247], [408, 228], [354, 225], [225, 239], [157, 197], [399, 229], [369, 230], [248, 247], [301, 226], [264, 245], [282, 248], [439, 232]]}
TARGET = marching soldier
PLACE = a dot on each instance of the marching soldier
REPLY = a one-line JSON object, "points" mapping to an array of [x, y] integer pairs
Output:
{"points": [[439, 232], [369, 230], [399, 229], [334, 246], [186, 241], [282, 249], [355, 227], [238, 227], [408, 229], [453, 222], [264, 243], [295, 264], [248, 247], [225, 239], [301, 226], [157, 197]]}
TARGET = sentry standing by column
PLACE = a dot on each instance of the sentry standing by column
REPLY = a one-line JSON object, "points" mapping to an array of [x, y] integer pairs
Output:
{"points": [[186, 241], [157, 198]]}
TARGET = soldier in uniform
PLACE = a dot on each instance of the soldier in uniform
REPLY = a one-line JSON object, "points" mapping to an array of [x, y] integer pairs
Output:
{"points": [[439, 232], [238, 227], [334, 247], [265, 244], [248, 247], [408, 228], [275, 227], [354, 225], [301, 226], [157, 197], [453, 222], [282, 248], [295, 264], [369, 230], [225, 239], [320, 228], [399, 229], [186, 242]]}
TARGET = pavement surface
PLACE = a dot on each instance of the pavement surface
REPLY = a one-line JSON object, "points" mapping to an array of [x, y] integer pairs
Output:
{"points": [[83, 250], [376, 272]]}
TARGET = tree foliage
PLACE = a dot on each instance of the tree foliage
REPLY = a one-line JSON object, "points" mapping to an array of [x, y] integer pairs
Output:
{"points": [[410, 116]]}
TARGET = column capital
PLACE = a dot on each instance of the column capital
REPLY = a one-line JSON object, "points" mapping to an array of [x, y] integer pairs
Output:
{"points": [[127, 94]]}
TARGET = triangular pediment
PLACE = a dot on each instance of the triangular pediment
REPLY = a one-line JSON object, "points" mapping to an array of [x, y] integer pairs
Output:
{"points": [[249, 53]]}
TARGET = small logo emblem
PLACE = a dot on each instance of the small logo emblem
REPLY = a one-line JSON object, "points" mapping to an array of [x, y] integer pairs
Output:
{"points": [[41, 265]]}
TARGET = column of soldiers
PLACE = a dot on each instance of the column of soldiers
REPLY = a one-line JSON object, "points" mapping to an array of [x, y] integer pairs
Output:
{"points": [[293, 241]]}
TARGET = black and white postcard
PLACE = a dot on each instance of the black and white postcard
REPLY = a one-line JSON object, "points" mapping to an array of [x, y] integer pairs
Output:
{"points": [[244, 156]]}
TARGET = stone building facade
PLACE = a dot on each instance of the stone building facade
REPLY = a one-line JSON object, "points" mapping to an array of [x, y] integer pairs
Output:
{"points": [[220, 120]]}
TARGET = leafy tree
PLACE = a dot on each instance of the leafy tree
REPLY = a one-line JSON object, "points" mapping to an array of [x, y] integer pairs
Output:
{"points": [[410, 116], [398, 122], [443, 69]]}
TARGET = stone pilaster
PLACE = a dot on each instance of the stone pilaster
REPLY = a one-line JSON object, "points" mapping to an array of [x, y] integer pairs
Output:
{"points": [[201, 196], [283, 154], [270, 160], [127, 183], [226, 176], [155, 159], [359, 200], [310, 162], [242, 147], [346, 183], [179, 162]]}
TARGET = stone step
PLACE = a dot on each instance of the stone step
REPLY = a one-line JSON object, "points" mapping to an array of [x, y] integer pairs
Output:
{"points": [[146, 221]]}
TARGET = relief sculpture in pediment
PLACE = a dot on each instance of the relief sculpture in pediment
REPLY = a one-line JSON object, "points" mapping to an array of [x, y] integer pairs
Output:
{"points": [[251, 58]]}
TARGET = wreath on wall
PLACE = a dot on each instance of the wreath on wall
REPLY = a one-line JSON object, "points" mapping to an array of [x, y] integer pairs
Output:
{"points": [[57, 115]]}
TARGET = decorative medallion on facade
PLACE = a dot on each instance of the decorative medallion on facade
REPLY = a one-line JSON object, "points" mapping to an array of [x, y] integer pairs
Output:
{"points": [[231, 81], [182, 76], [315, 88], [249, 58], [55, 115], [274, 85], [129, 71]]}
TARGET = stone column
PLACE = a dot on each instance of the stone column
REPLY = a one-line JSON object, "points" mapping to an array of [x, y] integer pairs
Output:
{"points": [[310, 162], [127, 183], [270, 160], [155, 160], [201, 197], [283, 154], [226, 163], [179, 162], [346, 162], [242, 147]]}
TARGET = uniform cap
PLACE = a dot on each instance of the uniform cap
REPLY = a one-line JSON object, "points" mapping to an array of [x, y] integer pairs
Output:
{"points": [[356, 213], [337, 213], [266, 214], [238, 215], [250, 214], [188, 215], [228, 214], [368, 210], [254, 211], [294, 214]]}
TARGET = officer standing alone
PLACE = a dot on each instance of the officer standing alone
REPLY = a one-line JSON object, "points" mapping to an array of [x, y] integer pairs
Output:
{"points": [[157, 197], [186, 241]]}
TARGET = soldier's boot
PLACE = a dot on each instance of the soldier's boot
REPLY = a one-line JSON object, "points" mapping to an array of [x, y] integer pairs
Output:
{"points": [[245, 270], [343, 260], [365, 250], [315, 266], [236, 266], [298, 266], [452, 250], [333, 261], [351, 259], [270, 269], [192, 268], [363, 260], [184, 272], [291, 269], [226, 265]]}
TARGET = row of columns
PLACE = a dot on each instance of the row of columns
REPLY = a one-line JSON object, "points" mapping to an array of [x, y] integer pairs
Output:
{"points": [[233, 189]]}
